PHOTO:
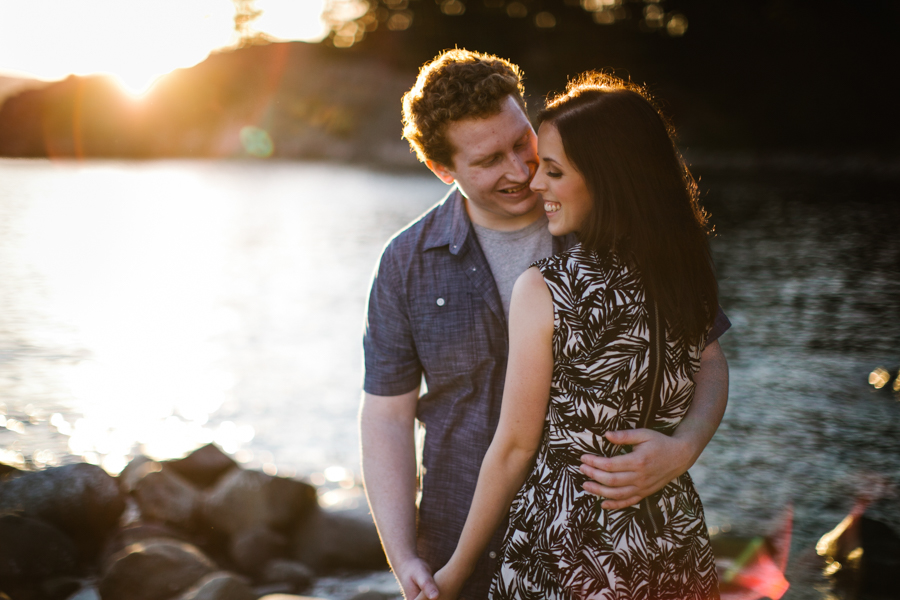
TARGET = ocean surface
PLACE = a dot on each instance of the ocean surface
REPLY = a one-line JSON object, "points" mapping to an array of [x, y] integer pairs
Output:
{"points": [[156, 306]]}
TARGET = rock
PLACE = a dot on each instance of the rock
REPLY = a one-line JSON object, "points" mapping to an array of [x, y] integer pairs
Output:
{"points": [[54, 588], [243, 500], [204, 466], [298, 575], [8, 472], [253, 548], [267, 589], [133, 472], [863, 556], [82, 500], [339, 539], [154, 570], [165, 496], [287, 597], [32, 550], [219, 586], [141, 532]]}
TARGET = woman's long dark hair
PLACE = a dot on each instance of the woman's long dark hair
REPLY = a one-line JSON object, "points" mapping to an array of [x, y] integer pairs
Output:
{"points": [[645, 207]]}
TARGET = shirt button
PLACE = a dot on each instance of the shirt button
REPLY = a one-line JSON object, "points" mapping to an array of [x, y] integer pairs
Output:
{"points": [[440, 302], [492, 554]]}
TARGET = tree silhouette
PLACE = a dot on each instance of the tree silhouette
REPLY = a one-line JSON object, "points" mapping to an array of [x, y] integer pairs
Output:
{"points": [[245, 12], [351, 21]]}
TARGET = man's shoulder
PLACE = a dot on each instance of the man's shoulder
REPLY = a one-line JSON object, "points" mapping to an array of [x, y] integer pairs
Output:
{"points": [[421, 231]]}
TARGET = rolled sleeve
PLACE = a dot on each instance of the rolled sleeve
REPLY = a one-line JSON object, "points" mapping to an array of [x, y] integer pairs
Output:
{"points": [[392, 364], [721, 324]]}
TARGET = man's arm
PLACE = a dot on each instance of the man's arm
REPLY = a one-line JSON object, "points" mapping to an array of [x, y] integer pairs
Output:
{"points": [[388, 452], [657, 458]]}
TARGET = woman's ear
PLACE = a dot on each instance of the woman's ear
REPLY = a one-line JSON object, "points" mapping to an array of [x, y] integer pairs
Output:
{"points": [[442, 172]]}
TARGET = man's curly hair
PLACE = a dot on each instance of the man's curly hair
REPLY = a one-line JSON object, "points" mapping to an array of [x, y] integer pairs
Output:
{"points": [[457, 84]]}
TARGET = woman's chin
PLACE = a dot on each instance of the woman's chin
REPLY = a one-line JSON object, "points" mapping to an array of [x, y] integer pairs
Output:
{"points": [[558, 229]]}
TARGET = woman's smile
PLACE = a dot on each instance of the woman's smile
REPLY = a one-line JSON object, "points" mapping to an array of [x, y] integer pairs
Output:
{"points": [[567, 200]]}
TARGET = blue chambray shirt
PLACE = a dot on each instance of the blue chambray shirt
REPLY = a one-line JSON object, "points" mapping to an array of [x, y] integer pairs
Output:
{"points": [[434, 310]]}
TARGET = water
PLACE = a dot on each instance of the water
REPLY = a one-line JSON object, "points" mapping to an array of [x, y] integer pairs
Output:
{"points": [[171, 304], [151, 307]]}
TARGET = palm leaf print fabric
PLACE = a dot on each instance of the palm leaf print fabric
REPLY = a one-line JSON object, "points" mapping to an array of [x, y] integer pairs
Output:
{"points": [[560, 544]]}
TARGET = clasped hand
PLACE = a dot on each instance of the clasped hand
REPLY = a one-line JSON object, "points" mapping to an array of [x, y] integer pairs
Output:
{"points": [[624, 480], [449, 584]]}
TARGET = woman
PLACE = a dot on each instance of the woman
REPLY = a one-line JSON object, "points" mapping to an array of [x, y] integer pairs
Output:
{"points": [[606, 336]]}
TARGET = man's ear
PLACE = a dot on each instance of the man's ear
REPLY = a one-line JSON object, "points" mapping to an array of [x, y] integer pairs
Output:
{"points": [[442, 172]]}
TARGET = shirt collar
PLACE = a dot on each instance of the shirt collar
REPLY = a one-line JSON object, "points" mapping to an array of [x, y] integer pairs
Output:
{"points": [[452, 224]]}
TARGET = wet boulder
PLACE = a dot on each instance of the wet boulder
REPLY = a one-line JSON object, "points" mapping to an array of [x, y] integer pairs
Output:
{"points": [[219, 586], [157, 569], [141, 532], [329, 539], [204, 466], [133, 472], [297, 575], [33, 551], [82, 500], [252, 548], [244, 500], [8, 472], [163, 495]]}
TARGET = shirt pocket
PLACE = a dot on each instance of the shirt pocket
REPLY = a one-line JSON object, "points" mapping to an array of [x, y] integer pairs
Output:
{"points": [[444, 325]]}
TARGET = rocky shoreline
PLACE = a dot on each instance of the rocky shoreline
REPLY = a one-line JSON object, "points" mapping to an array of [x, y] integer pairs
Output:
{"points": [[196, 528], [204, 528]]}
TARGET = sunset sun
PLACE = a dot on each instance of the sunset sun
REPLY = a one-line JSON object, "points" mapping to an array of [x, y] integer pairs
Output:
{"points": [[135, 42]]}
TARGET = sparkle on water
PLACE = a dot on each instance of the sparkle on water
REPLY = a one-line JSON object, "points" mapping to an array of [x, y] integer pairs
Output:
{"points": [[153, 307]]}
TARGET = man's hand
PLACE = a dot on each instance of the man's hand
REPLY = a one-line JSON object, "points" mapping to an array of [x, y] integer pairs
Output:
{"points": [[449, 584], [657, 459], [623, 480], [386, 425], [416, 580]]}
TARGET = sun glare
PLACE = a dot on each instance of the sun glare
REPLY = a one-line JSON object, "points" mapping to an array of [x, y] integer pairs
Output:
{"points": [[136, 41]]}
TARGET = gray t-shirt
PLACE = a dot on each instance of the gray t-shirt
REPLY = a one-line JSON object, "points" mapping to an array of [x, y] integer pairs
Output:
{"points": [[509, 253]]}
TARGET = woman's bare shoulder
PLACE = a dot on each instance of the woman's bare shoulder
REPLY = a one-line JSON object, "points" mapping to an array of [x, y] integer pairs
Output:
{"points": [[531, 300]]}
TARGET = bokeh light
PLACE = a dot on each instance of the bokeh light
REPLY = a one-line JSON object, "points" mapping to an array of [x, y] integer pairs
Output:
{"points": [[879, 378]]}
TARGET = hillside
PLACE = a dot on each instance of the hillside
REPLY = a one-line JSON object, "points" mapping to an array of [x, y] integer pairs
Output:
{"points": [[10, 86], [291, 100]]}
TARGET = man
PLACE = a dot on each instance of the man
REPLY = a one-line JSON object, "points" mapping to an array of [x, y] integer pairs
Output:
{"points": [[438, 308]]}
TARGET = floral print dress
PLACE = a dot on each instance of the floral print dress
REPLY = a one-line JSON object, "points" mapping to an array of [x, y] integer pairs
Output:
{"points": [[615, 367]]}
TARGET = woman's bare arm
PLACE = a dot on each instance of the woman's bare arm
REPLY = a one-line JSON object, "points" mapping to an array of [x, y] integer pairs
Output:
{"points": [[511, 454]]}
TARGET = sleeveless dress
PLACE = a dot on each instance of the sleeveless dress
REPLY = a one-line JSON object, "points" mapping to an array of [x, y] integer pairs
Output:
{"points": [[608, 347]]}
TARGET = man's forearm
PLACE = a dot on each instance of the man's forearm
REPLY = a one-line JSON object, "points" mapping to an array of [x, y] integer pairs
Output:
{"points": [[708, 406], [387, 440], [656, 458]]}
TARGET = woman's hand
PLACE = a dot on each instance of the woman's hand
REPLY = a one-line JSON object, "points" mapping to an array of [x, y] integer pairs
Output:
{"points": [[449, 582], [416, 580]]}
